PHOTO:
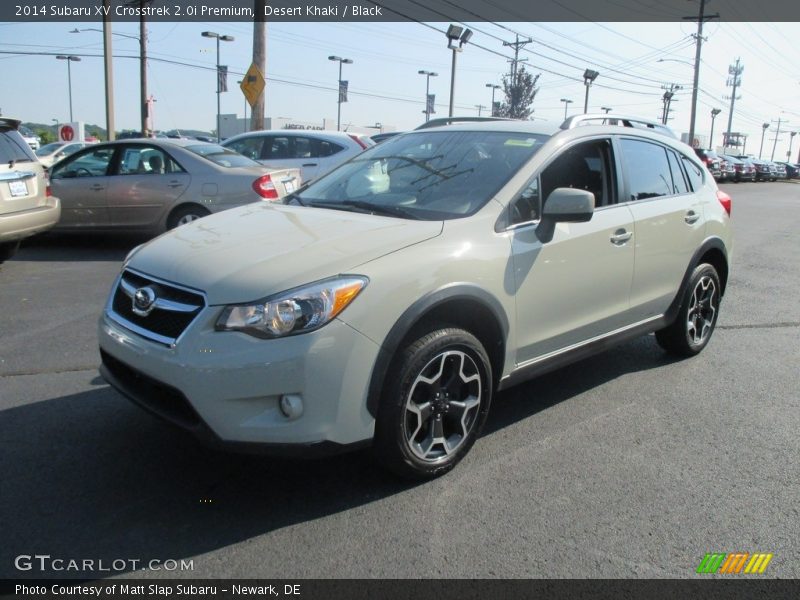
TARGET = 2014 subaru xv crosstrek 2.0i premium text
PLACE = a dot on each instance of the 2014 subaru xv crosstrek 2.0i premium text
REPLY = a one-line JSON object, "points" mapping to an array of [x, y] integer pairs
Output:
{"points": [[386, 302]]}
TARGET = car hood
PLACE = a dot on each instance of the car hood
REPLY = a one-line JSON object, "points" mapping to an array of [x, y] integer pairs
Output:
{"points": [[247, 253]]}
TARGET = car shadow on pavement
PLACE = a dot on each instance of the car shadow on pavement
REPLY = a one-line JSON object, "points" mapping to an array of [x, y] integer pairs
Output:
{"points": [[89, 475], [71, 247], [526, 399]]}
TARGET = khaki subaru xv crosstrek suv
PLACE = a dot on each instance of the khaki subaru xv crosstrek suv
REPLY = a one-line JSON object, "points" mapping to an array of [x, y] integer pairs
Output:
{"points": [[385, 303], [26, 205]]}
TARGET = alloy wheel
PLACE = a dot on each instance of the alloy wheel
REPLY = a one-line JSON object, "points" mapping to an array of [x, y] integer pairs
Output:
{"points": [[442, 406], [702, 310]]}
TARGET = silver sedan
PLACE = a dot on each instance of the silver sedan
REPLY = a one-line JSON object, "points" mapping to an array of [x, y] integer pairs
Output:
{"points": [[153, 184]]}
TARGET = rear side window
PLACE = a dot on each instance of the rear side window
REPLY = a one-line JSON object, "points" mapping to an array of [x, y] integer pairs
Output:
{"points": [[679, 185], [326, 148], [146, 160], [694, 172], [13, 147], [648, 171]]}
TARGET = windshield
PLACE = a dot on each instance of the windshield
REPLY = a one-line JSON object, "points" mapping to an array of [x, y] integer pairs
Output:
{"points": [[430, 175], [49, 148], [222, 156]]}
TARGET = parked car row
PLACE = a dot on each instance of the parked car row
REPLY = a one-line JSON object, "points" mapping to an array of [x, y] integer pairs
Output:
{"points": [[724, 167]]}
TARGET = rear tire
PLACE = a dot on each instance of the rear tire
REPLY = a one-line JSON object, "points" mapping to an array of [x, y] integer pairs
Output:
{"points": [[697, 316], [186, 214], [7, 250], [435, 401]]}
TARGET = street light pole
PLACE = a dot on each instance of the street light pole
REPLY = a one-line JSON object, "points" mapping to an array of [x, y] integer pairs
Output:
{"points": [[428, 75], [223, 38], [606, 109], [764, 128], [494, 87], [714, 113], [455, 34], [341, 61], [69, 59], [566, 102], [588, 77]]}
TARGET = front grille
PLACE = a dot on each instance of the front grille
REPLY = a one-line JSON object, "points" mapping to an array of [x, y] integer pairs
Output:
{"points": [[174, 308]]}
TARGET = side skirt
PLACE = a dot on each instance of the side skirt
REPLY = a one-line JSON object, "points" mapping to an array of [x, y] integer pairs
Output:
{"points": [[570, 354]]}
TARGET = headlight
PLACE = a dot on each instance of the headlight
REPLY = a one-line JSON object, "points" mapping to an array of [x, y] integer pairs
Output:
{"points": [[295, 311]]}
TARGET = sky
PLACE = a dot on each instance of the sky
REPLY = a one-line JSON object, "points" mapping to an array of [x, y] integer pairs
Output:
{"points": [[634, 61]]}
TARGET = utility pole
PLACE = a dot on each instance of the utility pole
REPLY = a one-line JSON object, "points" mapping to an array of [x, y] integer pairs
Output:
{"points": [[480, 107], [108, 70], [775, 142], [714, 113], [764, 128], [143, 67], [734, 81], [701, 19], [260, 60], [516, 45]]}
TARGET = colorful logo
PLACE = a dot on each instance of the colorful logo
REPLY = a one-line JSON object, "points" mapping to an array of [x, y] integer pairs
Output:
{"points": [[734, 562]]}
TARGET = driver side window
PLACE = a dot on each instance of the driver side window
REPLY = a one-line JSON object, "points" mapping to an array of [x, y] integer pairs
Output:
{"points": [[93, 163], [586, 166]]}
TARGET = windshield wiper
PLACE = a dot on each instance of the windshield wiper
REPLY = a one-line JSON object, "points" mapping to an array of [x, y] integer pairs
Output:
{"points": [[367, 207], [295, 197]]}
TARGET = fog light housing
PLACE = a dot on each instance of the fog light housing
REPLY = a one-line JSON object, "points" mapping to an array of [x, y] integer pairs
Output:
{"points": [[291, 406]]}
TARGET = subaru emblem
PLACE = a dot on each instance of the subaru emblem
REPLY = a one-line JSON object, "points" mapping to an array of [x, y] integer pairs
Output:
{"points": [[144, 300]]}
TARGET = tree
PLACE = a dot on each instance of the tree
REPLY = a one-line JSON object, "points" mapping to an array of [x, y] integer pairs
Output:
{"points": [[520, 92]]}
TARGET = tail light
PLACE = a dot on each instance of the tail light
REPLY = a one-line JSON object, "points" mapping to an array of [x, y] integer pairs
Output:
{"points": [[725, 200], [358, 141], [264, 187], [47, 191]]}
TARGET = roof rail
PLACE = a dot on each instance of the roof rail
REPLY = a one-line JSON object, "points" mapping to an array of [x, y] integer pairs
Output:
{"points": [[621, 120]]}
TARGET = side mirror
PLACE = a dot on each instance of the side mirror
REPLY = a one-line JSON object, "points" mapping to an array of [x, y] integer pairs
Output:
{"points": [[569, 205], [564, 205]]}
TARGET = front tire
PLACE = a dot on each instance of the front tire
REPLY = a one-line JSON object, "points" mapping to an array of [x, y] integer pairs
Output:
{"points": [[435, 401], [697, 315]]}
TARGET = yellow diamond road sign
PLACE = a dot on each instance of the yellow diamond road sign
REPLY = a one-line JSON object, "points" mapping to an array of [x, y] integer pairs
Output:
{"points": [[253, 84]]}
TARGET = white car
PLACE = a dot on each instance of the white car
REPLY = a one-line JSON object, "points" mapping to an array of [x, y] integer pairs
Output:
{"points": [[313, 152], [54, 152], [31, 138]]}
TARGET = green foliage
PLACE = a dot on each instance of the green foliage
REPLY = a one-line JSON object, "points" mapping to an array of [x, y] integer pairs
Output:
{"points": [[46, 136], [520, 92]]}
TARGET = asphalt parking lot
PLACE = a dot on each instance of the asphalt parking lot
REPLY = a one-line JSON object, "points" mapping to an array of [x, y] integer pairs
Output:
{"points": [[628, 464]]}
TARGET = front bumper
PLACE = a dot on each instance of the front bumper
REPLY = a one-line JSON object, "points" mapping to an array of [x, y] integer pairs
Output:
{"points": [[225, 387]]}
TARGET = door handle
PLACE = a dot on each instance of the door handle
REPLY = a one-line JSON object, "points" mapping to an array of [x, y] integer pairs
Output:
{"points": [[174, 184], [691, 217], [97, 187], [310, 164], [621, 236]]}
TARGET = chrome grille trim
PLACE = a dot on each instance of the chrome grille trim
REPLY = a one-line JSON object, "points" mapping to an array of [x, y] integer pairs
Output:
{"points": [[165, 306]]}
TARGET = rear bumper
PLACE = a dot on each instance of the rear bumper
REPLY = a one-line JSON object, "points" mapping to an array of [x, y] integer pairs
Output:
{"points": [[18, 225]]}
